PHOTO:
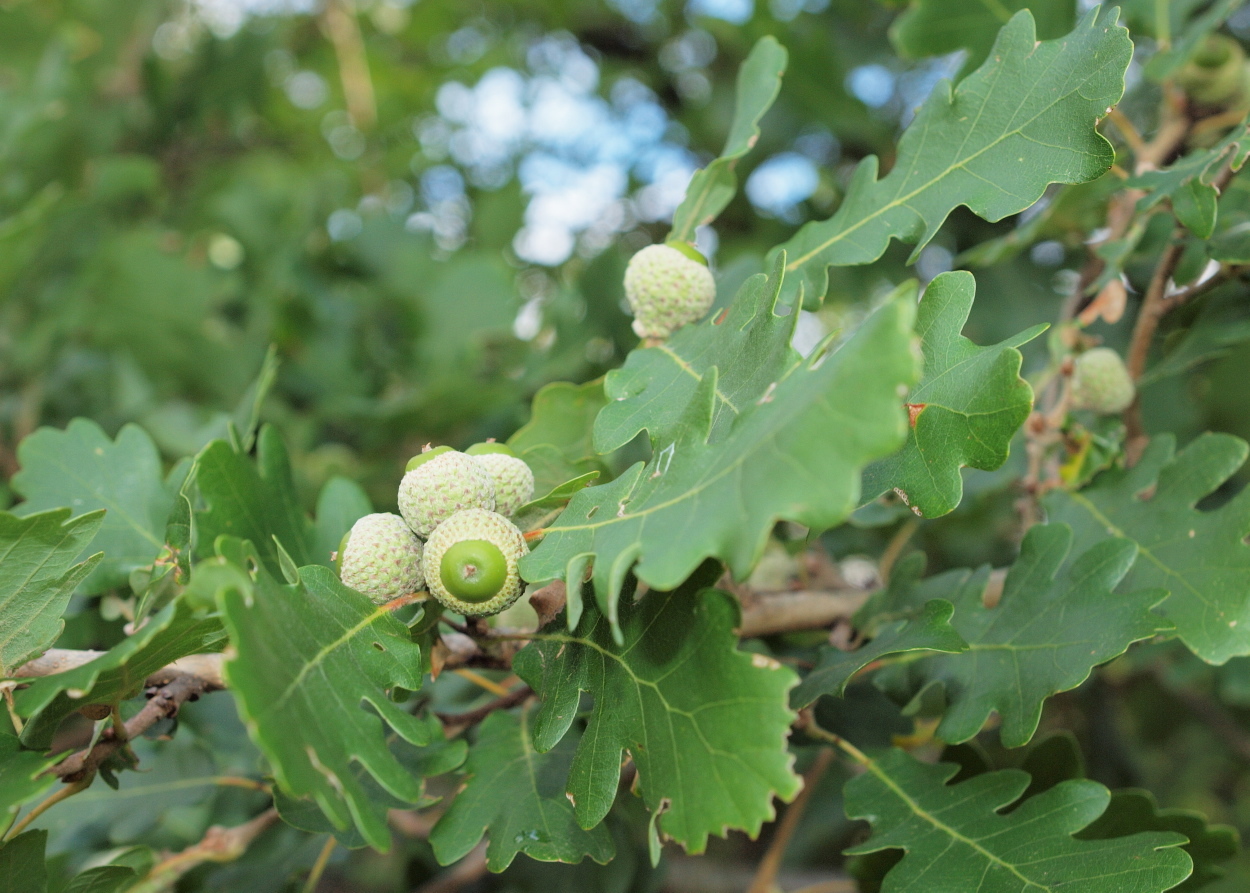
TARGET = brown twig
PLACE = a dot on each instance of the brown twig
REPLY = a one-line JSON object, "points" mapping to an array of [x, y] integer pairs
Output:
{"points": [[219, 845], [164, 702], [779, 612], [766, 875], [460, 721], [55, 798], [319, 867]]}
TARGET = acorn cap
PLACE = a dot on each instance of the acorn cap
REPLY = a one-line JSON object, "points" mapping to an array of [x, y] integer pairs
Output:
{"points": [[442, 483], [471, 562], [381, 558]]}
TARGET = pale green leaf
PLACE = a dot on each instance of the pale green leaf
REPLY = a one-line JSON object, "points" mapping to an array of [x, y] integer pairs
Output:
{"points": [[748, 345], [38, 575], [341, 504], [713, 187], [1023, 120], [82, 469], [175, 631], [556, 443]]}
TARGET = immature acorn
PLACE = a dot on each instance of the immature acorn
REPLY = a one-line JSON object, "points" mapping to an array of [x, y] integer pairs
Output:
{"points": [[1100, 382], [514, 482], [668, 286], [471, 560], [439, 483], [380, 557]]}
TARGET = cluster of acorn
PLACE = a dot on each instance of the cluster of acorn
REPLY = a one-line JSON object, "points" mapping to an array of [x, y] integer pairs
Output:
{"points": [[454, 537]]}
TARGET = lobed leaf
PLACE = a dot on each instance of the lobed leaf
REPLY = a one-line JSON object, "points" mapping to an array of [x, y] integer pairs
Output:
{"points": [[38, 575], [930, 630], [794, 454], [1049, 629], [704, 722], [1199, 557], [956, 841], [713, 187], [83, 469], [256, 502], [516, 795], [747, 347], [1023, 120], [966, 409], [307, 657]]}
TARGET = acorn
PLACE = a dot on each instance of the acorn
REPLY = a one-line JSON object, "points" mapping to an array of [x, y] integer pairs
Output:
{"points": [[1101, 383], [1216, 74], [440, 482], [668, 286], [514, 481], [381, 558], [470, 562]]}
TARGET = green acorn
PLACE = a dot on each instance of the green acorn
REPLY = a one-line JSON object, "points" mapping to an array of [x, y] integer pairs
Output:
{"points": [[514, 482], [381, 558], [1101, 383], [439, 483], [668, 286], [471, 562]]}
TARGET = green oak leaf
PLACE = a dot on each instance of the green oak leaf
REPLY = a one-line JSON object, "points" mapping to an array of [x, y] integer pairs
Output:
{"points": [[253, 501], [748, 345], [938, 27], [541, 511], [21, 775], [556, 442], [1047, 632], [38, 574], [177, 630], [794, 454], [516, 795], [307, 658], [83, 469], [704, 722], [1188, 183], [713, 187], [1023, 120], [956, 840], [966, 409], [438, 757], [1131, 811], [22, 869], [1200, 557], [930, 630]]}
